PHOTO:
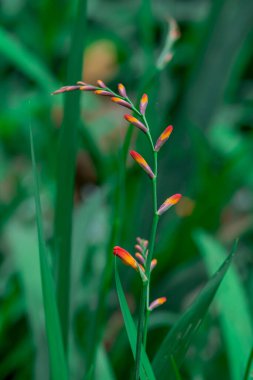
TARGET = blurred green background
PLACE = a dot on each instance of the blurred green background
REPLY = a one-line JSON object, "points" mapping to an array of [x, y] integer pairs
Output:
{"points": [[206, 93]]}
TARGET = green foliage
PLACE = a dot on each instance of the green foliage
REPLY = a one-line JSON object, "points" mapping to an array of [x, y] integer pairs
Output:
{"points": [[177, 342], [90, 203], [58, 363]]}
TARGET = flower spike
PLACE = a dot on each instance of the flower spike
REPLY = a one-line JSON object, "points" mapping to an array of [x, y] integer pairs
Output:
{"points": [[143, 104], [158, 302], [140, 160], [121, 102], [122, 90], [131, 119], [163, 137], [171, 201], [125, 257]]}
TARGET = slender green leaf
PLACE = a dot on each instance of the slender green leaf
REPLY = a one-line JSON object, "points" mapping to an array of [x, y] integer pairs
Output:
{"points": [[175, 368], [66, 171], [103, 368], [177, 341], [248, 367], [233, 307], [55, 346], [146, 371], [25, 61]]}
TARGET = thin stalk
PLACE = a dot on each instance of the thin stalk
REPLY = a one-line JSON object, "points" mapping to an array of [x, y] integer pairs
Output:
{"points": [[140, 331], [144, 307]]}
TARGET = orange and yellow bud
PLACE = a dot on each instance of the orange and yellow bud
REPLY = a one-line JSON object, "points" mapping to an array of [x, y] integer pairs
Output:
{"points": [[125, 257], [131, 119], [121, 102], [140, 160], [101, 83], [122, 90], [87, 88], [143, 104], [163, 137], [102, 92], [153, 264], [171, 201], [158, 302]]}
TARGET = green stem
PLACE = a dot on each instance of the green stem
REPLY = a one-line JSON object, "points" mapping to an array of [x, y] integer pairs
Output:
{"points": [[140, 332]]}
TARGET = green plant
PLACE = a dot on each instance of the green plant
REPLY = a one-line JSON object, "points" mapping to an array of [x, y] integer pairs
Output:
{"points": [[144, 262]]}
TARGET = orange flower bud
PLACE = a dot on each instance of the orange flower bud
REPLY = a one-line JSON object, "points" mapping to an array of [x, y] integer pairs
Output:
{"points": [[163, 137], [66, 89], [125, 257], [171, 201], [143, 104], [153, 264], [140, 160], [122, 90], [158, 302], [101, 83], [102, 92], [121, 102], [131, 119], [140, 258]]}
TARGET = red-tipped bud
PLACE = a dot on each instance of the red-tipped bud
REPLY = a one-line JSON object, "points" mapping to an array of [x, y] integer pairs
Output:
{"points": [[140, 160], [131, 119], [122, 90], [153, 264], [65, 89], [143, 104], [158, 302], [102, 92], [121, 102], [101, 83], [140, 258], [125, 257], [171, 201], [163, 137]]}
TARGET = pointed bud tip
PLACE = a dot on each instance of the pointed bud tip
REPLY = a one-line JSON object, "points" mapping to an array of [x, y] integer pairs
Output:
{"points": [[171, 201]]}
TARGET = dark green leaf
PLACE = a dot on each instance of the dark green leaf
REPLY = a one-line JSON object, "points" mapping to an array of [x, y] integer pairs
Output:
{"points": [[232, 305], [55, 346], [177, 342]]}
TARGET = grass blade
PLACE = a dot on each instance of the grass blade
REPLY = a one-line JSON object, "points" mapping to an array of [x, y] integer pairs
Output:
{"points": [[55, 346], [175, 368], [177, 341], [146, 371], [66, 172], [248, 367], [233, 308]]}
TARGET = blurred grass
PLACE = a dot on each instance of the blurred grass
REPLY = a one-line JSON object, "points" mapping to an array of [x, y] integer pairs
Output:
{"points": [[58, 362], [66, 166], [206, 93]]}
